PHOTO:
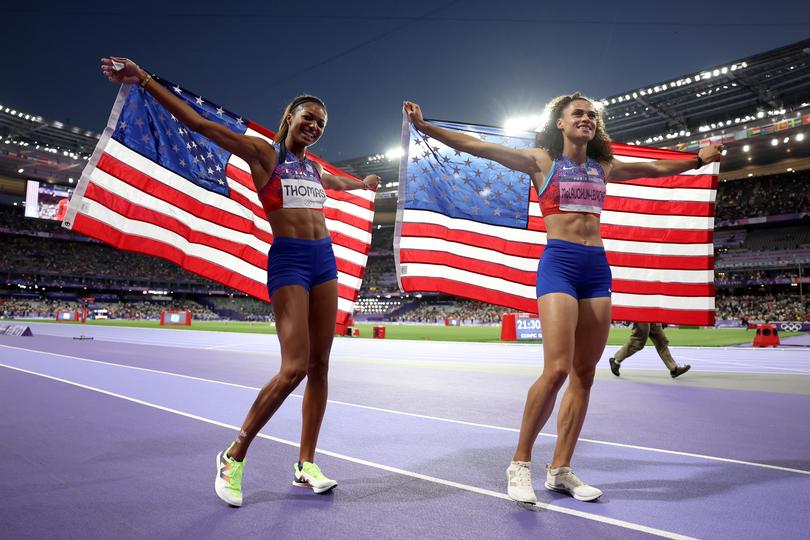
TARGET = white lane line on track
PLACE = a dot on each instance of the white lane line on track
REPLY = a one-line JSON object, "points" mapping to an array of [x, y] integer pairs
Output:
{"points": [[707, 370], [215, 347], [735, 363], [429, 417], [388, 468]]}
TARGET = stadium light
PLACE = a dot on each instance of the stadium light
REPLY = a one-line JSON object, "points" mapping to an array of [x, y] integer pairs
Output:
{"points": [[799, 137], [774, 142], [785, 140], [394, 153], [518, 124], [746, 148], [20, 171]]}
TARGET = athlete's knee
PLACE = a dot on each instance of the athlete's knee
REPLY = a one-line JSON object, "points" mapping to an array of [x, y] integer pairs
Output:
{"points": [[291, 376], [318, 369], [555, 377], [583, 378]]}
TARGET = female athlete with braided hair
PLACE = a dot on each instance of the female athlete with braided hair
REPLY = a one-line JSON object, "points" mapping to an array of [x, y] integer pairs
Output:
{"points": [[301, 269]]}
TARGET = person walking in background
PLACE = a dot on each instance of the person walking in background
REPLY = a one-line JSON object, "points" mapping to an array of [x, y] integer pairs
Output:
{"points": [[638, 338]]}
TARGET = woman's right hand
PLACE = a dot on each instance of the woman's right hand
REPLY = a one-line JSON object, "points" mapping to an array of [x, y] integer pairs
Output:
{"points": [[414, 112], [121, 70]]}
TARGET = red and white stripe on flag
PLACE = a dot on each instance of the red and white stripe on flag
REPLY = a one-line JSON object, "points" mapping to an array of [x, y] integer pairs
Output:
{"points": [[658, 235], [131, 202]]}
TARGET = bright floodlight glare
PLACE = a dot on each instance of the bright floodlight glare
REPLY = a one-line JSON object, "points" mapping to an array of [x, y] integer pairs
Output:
{"points": [[518, 124], [746, 148], [774, 142], [394, 153], [800, 137]]}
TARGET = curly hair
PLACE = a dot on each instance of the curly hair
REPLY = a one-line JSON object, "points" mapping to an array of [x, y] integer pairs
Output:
{"points": [[291, 107], [551, 139]]}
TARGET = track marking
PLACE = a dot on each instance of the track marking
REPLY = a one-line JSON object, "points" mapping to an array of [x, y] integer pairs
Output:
{"points": [[388, 468], [733, 363], [215, 347], [702, 370], [429, 417]]}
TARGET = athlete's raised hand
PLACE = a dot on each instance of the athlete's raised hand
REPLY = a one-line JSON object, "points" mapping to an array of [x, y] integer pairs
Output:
{"points": [[711, 153], [121, 70], [414, 112]]}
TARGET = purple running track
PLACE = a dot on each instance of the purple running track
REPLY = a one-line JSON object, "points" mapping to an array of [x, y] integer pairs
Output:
{"points": [[81, 449]]}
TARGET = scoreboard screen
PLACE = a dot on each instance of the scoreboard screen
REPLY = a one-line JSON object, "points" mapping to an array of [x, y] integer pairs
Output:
{"points": [[46, 201], [528, 328]]}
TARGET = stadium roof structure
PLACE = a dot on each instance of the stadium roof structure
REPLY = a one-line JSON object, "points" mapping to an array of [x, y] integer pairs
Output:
{"points": [[758, 106], [32, 147], [768, 85]]}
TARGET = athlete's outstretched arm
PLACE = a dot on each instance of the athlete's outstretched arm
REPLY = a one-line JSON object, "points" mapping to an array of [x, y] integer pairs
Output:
{"points": [[519, 160], [663, 167], [341, 183], [255, 151]]}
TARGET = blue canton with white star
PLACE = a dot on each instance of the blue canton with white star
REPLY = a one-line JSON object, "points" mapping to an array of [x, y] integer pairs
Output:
{"points": [[148, 128], [459, 185]]}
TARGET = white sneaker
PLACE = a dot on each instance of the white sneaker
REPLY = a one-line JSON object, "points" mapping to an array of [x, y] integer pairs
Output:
{"points": [[519, 482], [564, 480]]}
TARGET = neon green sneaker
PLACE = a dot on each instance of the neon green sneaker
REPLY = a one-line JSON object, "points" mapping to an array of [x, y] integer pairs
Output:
{"points": [[308, 475], [228, 483]]}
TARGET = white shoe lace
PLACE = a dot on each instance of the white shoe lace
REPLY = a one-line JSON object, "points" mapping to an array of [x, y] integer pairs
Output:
{"points": [[522, 475]]}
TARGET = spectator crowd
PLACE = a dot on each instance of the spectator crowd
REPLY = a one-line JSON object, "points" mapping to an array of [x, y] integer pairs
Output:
{"points": [[38, 253]]}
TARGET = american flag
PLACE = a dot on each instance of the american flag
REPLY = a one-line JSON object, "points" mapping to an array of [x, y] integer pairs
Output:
{"points": [[155, 187], [472, 228]]}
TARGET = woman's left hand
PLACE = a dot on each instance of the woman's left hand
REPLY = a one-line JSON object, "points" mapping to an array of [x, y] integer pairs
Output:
{"points": [[711, 153], [121, 70], [371, 181]]}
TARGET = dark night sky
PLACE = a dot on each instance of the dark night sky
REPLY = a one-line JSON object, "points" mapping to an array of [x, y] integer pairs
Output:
{"points": [[476, 61]]}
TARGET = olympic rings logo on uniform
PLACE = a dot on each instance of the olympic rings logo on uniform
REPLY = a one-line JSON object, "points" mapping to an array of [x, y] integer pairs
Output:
{"points": [[791, 327]]}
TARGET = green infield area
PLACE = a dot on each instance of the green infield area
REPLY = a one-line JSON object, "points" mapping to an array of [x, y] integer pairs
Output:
{"points": [[703, 337]]}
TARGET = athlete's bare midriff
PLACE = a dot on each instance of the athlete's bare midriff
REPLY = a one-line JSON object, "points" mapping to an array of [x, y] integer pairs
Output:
{"points": [[574, 227], [302, 223]]}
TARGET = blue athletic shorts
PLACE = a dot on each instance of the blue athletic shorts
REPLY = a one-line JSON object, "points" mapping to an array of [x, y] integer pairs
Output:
{"points": [[293, 261], [575, 269]]}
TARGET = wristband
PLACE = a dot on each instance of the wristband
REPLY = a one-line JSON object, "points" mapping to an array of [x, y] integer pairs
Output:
{"points": [[148, 78], [700, 163]]}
